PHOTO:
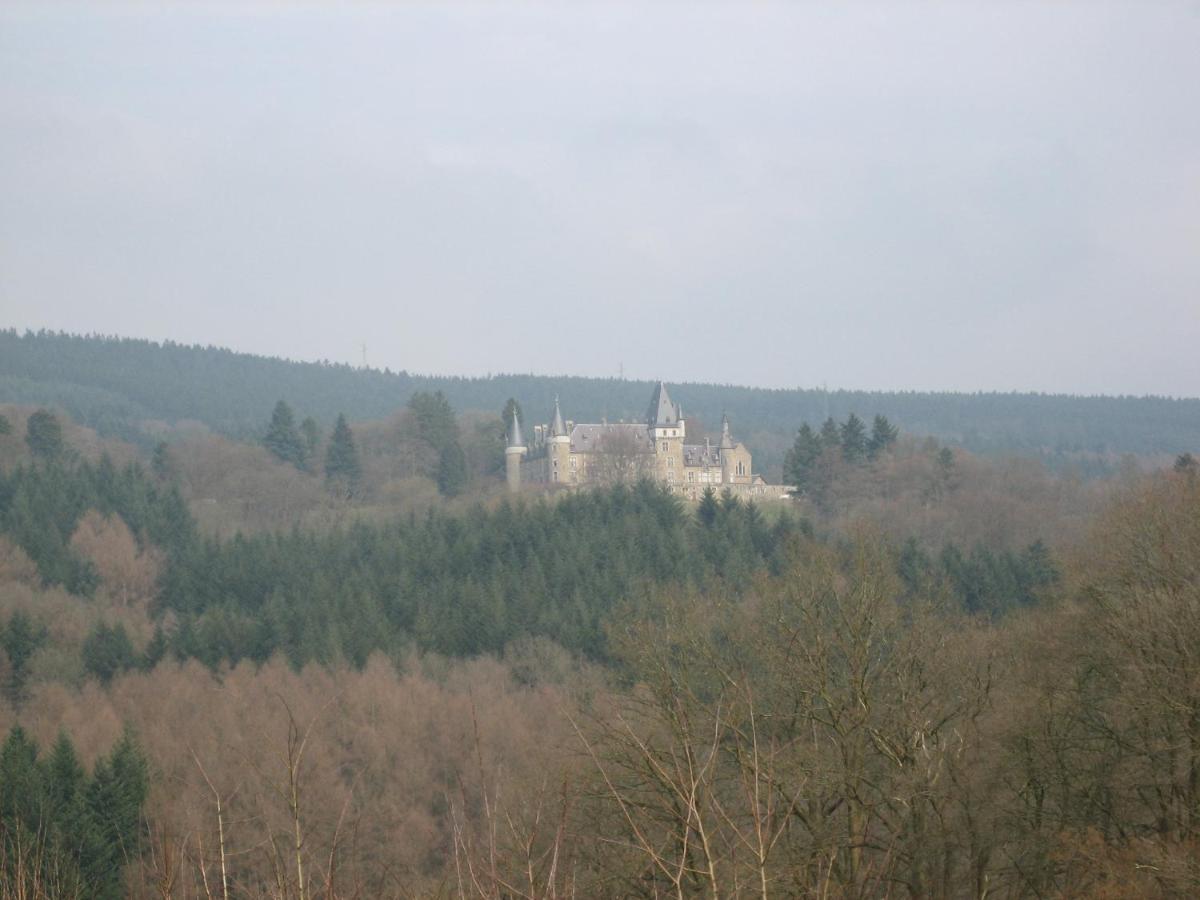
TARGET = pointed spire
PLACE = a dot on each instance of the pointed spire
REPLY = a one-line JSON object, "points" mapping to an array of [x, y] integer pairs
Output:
{"points": [[726, 437], [662, 411], [515, 439], [557, 428]]}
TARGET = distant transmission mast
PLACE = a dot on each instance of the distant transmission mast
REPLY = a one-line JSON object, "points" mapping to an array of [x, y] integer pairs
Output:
{"points": [[364, 350]]}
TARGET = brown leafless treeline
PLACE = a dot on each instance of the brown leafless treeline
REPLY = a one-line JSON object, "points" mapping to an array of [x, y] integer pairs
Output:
{"points": [[824, 739]]}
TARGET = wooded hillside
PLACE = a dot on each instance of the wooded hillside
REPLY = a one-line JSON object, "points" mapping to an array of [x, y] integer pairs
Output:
{"points": [[118, 385]]}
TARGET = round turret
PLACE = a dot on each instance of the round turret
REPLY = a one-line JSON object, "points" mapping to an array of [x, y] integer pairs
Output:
{"points": [[512, 454]]}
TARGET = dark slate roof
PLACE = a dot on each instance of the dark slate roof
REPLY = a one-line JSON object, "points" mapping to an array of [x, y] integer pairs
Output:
{"points": [[701, 455], [662, 411], [591, 438]]}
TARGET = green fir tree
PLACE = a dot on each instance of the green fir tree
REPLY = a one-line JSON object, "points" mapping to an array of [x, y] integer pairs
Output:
{"points": [[853, 436], [800, 463], [342, 466], [883, 437], [282, 439], [43, 435], [452, 470]]}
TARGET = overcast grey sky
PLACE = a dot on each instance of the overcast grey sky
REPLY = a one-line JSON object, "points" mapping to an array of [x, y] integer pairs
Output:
{"points": [[894, 195]]}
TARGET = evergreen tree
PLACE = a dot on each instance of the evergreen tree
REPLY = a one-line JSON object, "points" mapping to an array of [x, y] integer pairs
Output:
{"points": [[853, 435], [43, 434], [452, 470], [83, 830], [341, 459], [107, 651], [5, 426], [947, 470], [883, 437], [729, 503], [282, 438], [1186, 464], [65, 780], [162, 463], [114, 801], [831, 435], [434, 419], [707, 509], [20, 781], [915, 569], [310, 433], [1038, 571], [20, 639], [802, 458], [155, 650]]}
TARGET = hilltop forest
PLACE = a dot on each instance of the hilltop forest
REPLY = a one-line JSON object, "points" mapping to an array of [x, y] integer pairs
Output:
{"points": [[276, 630], [133, 388]]}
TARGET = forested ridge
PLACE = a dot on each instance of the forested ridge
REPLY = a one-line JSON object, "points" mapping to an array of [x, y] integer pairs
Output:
{"points": [[117, 384]]}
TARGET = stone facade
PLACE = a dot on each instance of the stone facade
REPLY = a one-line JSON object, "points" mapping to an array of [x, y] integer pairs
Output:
{"points": [[569, 455]]}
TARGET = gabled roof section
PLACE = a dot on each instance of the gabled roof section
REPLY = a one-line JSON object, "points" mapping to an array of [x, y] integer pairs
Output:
{"points": [[701, 455], [662, 411], [622, 438]]}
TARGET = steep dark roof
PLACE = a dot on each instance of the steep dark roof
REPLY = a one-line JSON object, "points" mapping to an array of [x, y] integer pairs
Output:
{"points": [[662, 411], [557, 428], [726, 437]]}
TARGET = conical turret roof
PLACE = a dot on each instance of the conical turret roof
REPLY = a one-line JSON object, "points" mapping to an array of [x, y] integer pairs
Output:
{"points": [[515, 439], [662, 411], [557, 428]]}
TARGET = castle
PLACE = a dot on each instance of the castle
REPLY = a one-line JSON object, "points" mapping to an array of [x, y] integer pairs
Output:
{"points": [[567, 454]]}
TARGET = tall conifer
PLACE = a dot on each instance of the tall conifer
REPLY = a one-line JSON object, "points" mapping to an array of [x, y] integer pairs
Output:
{"points": [[341, 459], [853, 438], [282, 439], [43, 434]]}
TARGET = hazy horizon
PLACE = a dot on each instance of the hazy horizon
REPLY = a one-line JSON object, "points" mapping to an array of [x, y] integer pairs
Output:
{"points": [[968, 198]]}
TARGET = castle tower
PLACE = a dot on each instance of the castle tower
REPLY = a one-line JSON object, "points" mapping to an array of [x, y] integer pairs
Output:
{"points": [[664, 422], [558, 449], [726, 446], [513, 453]]}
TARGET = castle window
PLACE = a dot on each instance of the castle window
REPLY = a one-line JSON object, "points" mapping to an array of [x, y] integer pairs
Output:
{"points": [[691, 476], [665, 445], [670, 462]]}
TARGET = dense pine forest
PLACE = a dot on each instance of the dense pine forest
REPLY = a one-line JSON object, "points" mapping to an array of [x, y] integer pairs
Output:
{"points": [[314, 655], [122, 387]]}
